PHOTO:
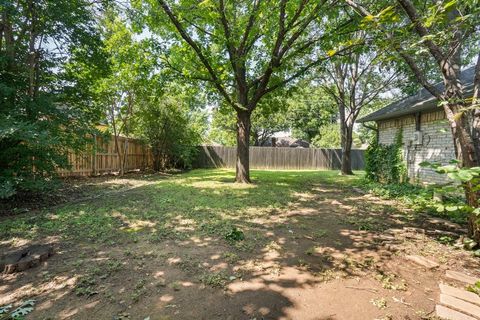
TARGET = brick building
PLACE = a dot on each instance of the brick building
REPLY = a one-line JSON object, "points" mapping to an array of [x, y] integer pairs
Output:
{"points": [[425, 130]]}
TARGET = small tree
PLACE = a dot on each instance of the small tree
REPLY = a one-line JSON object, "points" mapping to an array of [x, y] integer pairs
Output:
{"points": [[355, 82], [130, 71], [172, 128]]}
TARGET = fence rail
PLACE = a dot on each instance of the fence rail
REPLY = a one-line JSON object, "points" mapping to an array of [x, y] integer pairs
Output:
{"points": [[278, 158], [102, 158]]}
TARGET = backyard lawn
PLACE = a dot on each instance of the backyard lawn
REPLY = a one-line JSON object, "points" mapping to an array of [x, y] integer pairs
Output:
{"points": [[294, 245]]}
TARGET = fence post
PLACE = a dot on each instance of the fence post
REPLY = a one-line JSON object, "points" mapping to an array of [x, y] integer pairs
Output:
{"points": [[94, 162]]}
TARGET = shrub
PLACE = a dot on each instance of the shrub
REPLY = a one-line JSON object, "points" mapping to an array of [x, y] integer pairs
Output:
{"points": [[172, 131], [385, 163]]}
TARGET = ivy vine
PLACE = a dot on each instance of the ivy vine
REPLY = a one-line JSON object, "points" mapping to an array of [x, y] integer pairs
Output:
{"points": [[385, 163]]}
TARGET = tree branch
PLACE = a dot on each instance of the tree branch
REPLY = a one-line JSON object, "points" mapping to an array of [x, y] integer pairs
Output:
{"points": [[244, 48], [418, 73], [422, 31], [173, 18]]}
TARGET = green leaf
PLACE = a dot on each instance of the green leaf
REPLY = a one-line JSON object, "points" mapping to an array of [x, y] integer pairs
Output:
{"points": [[465, 175], [425, 164], [452, 208], [446, 169], [5, 309], [449, 4], [331, 52], [454, 176]]}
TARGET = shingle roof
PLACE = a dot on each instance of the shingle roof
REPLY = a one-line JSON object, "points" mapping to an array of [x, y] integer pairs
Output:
{"points": [[421, 101]]}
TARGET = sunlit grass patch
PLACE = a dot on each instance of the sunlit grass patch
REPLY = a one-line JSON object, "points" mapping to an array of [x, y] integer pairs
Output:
{"points": [[197, 203]]}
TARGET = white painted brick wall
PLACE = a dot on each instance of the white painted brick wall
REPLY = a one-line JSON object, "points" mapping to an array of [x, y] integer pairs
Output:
{"points": [[437, 147]]}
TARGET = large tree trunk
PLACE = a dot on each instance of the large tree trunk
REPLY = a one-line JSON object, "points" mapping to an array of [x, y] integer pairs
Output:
{"points": [[467, 156], [243, 143], [346, 131], [347, 139]]}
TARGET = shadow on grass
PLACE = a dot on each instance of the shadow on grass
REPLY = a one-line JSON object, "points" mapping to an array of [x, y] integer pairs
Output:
{"points": [[301, 229]]}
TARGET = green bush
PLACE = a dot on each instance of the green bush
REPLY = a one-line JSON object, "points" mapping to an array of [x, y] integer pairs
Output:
{"points": [[385, 163], [171, 128]]}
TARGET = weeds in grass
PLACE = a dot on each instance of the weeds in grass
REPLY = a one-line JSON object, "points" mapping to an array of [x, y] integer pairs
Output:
{"points": [[245, 246], [380, 303], [234, 235], [189, 264], [215, 279], [320, 233], [163, 233], [139, 290], [230, 257], [363, 223], [310, 251], [86, 286], [176, 285], [391, 281], [419, 198], [327, 274], [475, 288], [446, 240], [214, 212]]}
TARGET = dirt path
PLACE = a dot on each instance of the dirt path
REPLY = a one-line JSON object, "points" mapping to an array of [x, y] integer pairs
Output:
{"points": [[333, 253]]}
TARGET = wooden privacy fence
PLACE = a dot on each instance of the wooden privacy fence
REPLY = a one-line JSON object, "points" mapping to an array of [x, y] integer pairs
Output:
{"points": [[102, 157], [278, 158]]}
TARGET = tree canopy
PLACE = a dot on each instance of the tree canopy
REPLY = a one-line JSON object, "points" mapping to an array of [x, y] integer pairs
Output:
{"points": [[243, 49], [45, 104]]}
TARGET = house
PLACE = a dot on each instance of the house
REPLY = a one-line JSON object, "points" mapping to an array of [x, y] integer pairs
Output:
{"points": [[425, 130], [286, 141]]}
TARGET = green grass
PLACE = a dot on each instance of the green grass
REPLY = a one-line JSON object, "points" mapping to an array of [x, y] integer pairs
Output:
{"points": [[199, 202]]}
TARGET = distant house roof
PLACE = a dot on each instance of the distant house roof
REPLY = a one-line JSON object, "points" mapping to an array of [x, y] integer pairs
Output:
{"points": [[421, 101], [287, 142]]}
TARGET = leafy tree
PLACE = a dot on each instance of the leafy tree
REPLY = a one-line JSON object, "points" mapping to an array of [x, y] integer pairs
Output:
{"points": [[244, 49], [171, 124], [45, 109], [355, 82], [309, 109], [328, 137], [222, 129], [131, 65], [446, 34]]}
